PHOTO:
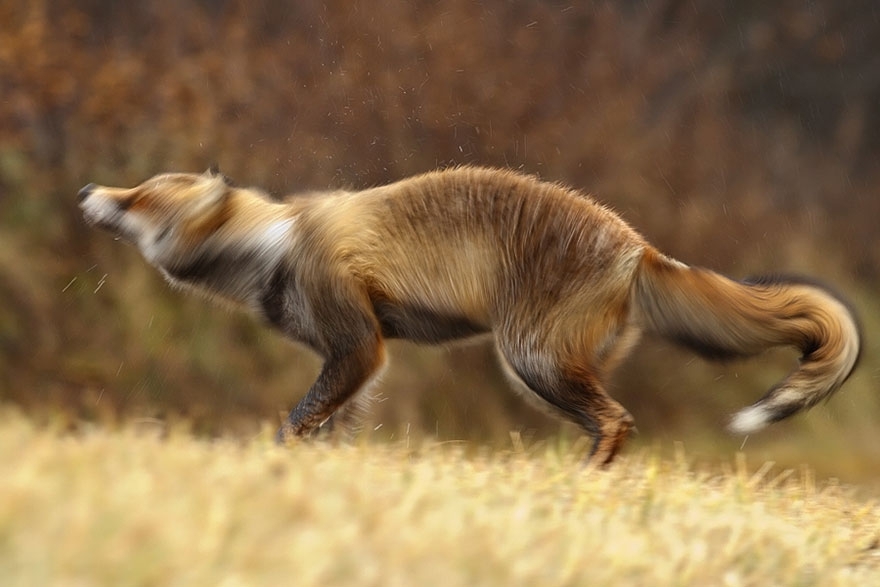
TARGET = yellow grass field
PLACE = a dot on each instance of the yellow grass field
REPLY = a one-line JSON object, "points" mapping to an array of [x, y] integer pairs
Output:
{"points": [[144, 505]]}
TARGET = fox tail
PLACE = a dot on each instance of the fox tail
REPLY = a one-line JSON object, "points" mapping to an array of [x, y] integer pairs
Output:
{"points": [[720, 318]]}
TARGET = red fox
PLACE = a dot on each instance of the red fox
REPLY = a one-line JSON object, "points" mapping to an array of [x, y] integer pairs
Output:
{"points": [[563, 284]]}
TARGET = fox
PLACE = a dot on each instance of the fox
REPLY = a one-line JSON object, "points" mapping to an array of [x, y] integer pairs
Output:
{"points": [[563, 285]]}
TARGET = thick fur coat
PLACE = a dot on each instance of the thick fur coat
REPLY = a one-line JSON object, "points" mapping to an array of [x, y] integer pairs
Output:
{"points": [[562, 284]]}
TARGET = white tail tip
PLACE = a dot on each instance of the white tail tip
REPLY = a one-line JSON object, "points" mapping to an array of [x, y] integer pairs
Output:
{"points": [[750, 419]]}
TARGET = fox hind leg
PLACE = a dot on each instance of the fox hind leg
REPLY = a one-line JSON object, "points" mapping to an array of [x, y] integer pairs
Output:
{"points": [[573, 390]]}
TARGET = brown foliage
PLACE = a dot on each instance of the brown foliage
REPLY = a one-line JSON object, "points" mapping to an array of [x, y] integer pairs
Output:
{"points": [[739, 135]]}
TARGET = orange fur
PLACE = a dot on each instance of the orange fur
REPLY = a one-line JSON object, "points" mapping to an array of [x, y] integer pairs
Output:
{"points": [[562, 283]]}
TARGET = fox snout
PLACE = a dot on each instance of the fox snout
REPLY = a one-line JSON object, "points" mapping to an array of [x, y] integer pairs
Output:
{"points": [[106, 211], [85, 192]]}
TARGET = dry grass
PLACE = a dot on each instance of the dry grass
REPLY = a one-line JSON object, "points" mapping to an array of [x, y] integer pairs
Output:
{"points": [[130, 507]]}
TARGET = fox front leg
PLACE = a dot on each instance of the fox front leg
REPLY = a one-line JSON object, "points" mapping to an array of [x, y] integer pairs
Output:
{"points": [[342, 376]]}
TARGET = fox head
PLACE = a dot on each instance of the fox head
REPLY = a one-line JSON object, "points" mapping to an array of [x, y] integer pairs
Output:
{"points": [[158, 214], [198, 230]]}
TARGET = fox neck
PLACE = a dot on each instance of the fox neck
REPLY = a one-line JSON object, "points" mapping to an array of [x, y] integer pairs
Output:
{"points": [[233, 269]]}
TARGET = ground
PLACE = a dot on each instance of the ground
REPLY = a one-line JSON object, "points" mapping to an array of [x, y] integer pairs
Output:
{"points": [[147, 505]]}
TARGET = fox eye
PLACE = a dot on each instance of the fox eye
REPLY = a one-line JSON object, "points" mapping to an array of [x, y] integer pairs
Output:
{"points": [[126, 203]]}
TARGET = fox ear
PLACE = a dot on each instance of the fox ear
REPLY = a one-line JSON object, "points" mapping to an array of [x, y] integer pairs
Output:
{"points": [[215, 191], [214, 171]]}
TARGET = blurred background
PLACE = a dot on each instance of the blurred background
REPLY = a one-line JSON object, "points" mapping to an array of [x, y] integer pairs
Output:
{"points": [[737, 134]]}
